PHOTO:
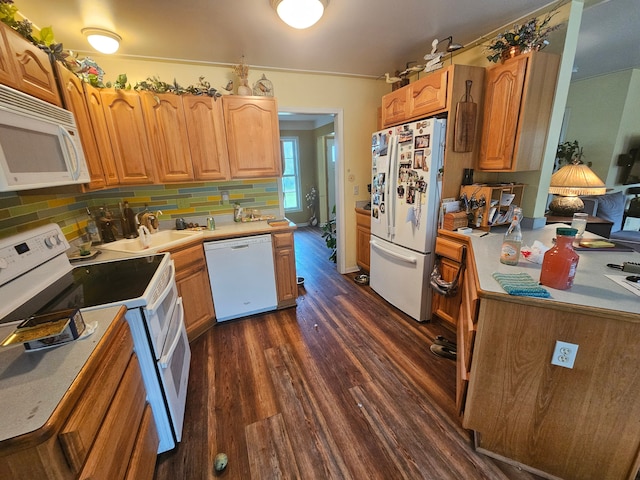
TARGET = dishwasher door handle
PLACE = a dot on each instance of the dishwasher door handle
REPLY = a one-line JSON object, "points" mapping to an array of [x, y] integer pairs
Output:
{"points": [[238, 247]]}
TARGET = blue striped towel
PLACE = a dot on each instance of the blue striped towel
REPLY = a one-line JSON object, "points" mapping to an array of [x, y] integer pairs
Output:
{"points": [[521, 285]]}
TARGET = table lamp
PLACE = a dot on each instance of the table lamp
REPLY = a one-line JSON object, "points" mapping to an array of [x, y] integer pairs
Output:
{"points": [[568, 183]]}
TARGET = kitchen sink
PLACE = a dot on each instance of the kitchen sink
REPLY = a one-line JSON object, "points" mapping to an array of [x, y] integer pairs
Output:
{"points": [[162, 240]]}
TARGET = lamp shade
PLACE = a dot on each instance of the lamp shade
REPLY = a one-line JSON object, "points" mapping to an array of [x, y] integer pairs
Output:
{"points": [[300, 14], [102, 40], [576, 179], [568, 183]]}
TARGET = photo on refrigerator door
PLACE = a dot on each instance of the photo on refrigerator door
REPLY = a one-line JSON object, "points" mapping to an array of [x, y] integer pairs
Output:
{"points": [[379, 144], [405, 134], [423, 141], [418, 160]]}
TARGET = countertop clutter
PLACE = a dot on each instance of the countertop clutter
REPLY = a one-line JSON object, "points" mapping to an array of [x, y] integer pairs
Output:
{"points": [[591, 286]]}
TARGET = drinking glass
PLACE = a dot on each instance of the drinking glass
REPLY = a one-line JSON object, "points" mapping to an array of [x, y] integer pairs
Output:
{"points": [[579, 222]]}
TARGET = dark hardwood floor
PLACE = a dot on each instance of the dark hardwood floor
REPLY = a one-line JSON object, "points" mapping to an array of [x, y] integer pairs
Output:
{"points": [[342, 386]]}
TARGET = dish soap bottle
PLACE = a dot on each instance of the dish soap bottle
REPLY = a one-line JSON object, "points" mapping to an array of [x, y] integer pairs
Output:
{"points": [[560, 261], [510, 252]]}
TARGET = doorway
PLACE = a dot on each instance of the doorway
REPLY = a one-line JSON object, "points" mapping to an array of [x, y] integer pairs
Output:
{"points": [[327, 176]]}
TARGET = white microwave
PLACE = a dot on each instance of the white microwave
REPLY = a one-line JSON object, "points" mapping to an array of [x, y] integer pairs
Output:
{"points": [[39, 144]]}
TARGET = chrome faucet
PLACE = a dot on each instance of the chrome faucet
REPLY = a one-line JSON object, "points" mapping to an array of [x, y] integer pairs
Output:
{"points": [[148, 219]]}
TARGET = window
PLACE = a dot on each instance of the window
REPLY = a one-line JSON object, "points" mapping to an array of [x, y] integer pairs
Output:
{"points": [[290, 176]]}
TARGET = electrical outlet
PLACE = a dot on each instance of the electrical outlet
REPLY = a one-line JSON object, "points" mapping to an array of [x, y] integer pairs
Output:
{"points": [[356, 189], [225, 197], [564, 355]]}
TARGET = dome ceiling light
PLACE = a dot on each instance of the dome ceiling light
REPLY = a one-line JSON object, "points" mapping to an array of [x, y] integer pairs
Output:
{"points": [[102, 40], [300, 14]]}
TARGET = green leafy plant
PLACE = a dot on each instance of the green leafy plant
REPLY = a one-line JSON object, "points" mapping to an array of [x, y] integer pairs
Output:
{"points": [[43, 40], [570, 152], [121, 83], [528, 36], [329, 235]]}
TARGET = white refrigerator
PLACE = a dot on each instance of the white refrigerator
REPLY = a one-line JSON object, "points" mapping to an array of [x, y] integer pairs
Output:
{"points": [[405, 200]]}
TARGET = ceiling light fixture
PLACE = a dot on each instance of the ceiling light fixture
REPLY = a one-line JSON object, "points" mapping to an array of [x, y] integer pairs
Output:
{"points": [[102, 40], [300, 14]]}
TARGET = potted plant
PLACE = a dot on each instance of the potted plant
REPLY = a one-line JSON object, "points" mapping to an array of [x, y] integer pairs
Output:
{"points": [[522, 38], [329, 235], [569, 152], [311, 205]]}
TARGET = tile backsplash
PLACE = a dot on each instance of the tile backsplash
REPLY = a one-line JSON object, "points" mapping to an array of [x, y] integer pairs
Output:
{"points": [[21, 211]]}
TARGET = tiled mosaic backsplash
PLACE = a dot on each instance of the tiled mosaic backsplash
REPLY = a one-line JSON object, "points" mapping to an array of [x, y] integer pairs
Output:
{"points": [[21, 211]]}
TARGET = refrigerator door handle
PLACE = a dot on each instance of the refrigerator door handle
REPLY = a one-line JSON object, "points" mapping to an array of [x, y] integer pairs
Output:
{"points": [[391, 181], [403, 258]]}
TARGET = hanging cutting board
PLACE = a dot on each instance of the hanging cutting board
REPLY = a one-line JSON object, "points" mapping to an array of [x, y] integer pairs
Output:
{"points": [[465, 125]]}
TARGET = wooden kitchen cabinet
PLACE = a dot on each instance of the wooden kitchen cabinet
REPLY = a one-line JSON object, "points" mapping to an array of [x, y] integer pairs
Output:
{"points": [[30, 67], [124, 118], [438, 93], [425, 97], [166, 130], [428, 95], [284, 257], [73, 94], [7, 71], [101, 429], [459, 311], [101, 133], [395, 107], [518, 98], [363, 236], [451, 259], [253, 136], [207, 138], [466, 332], [192, 279]]}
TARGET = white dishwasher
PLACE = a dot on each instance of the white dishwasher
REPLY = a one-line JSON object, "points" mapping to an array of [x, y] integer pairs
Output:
{"points": [[242, 276]]}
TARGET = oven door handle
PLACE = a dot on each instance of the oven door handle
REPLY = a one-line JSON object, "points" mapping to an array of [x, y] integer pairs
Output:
{"points": [[165, 360], [151, 309]]}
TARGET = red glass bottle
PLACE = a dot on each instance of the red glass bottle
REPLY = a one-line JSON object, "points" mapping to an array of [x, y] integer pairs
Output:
{"points": [[560, 262]]}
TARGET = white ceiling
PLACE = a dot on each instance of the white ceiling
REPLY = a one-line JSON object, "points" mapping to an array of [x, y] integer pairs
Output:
{"points": [[357, 37]]}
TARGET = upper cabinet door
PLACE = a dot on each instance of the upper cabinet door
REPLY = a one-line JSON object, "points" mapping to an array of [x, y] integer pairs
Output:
{"points": [[33, 69], [125, 124], [395, 107], [7, 72], [207, 139], [518, 99], [428, 95], [253, 136], [503, 94], [101, 133], [74, 100], [167, 134]]}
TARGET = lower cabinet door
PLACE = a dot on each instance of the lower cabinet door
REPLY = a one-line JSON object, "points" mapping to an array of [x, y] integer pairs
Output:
{"points": [[119, 431], [143, 459]]}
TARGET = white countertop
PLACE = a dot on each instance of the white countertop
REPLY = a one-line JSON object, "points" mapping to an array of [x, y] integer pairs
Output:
{"points": [[32, 384], [591, 287]]}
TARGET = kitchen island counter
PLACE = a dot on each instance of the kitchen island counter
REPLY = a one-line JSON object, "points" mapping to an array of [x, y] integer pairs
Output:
{"points": [[520, 394], [591, 287]]}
